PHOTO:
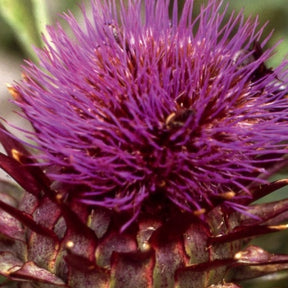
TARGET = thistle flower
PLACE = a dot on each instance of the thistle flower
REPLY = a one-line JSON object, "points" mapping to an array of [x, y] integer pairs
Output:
{"points": [[146, 108], [154, 138]]}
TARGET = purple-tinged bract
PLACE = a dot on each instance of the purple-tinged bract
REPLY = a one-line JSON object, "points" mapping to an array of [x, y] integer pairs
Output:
{"points": [[140, 105]]}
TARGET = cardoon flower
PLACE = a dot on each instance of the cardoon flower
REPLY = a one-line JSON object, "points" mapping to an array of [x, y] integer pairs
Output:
{"points": [[154, 136]]}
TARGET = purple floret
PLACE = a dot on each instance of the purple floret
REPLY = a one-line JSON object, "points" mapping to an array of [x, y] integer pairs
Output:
{"points": [[136, 104]]}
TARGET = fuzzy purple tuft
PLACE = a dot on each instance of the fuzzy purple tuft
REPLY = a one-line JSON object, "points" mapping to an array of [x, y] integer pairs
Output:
{"points": [[138, 105]]}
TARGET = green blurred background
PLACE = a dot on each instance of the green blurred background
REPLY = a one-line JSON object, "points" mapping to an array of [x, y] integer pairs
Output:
{"points": [[21, 22]]}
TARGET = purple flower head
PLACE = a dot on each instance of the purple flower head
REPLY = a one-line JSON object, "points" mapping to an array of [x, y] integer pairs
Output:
{"points": [[139, 105]]}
